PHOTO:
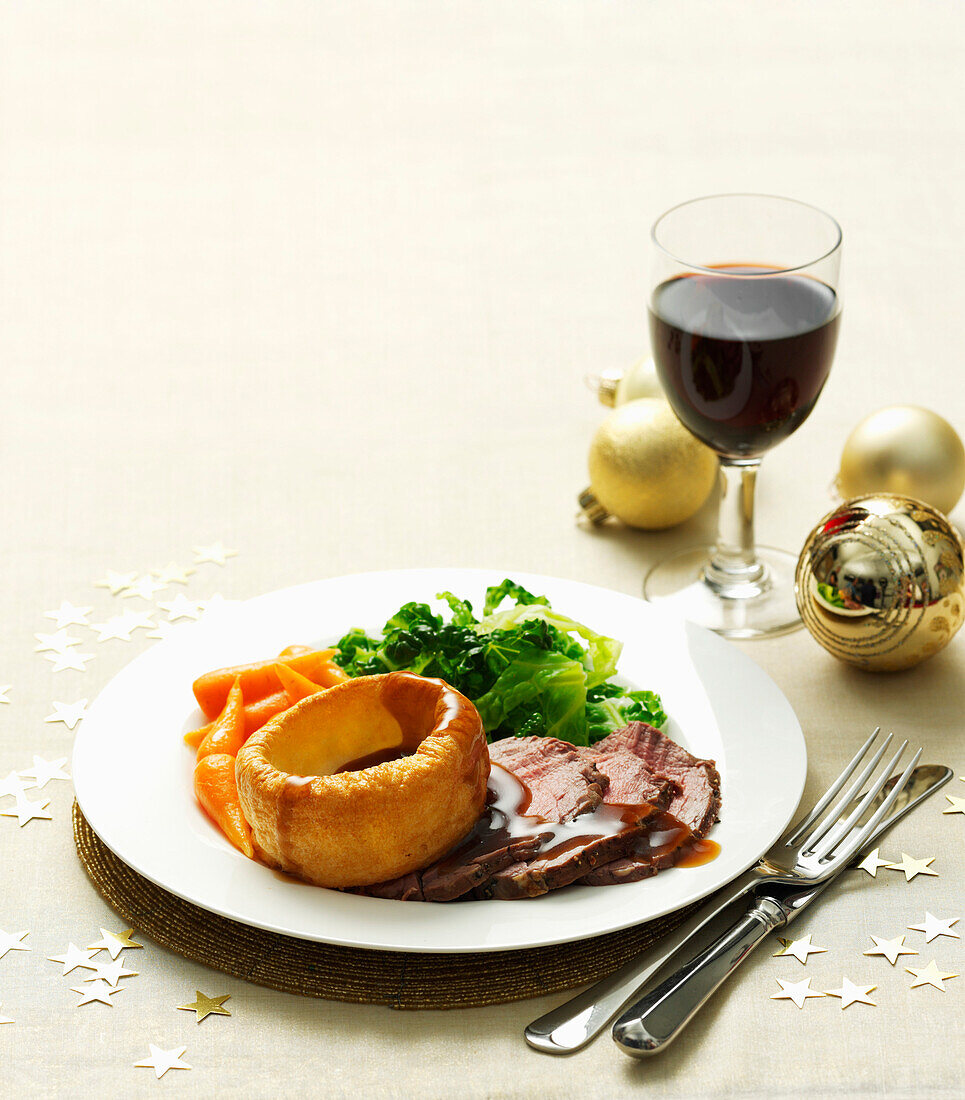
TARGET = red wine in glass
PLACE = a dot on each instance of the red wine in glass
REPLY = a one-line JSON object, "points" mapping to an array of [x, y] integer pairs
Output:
{"points": [[744, 355]]}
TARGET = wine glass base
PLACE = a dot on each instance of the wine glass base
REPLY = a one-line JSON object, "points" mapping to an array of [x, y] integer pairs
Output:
{"points": [[677, 583]]}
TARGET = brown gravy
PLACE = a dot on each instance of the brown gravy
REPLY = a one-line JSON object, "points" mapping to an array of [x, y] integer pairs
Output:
{"points": [[371, 759]]}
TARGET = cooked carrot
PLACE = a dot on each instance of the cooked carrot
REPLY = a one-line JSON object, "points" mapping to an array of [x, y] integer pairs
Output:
{"points": [[195, 737], [258, 713], [296, 686], [257, 679], [217, 791], [319, 668], [227, 732], [295, 650]]}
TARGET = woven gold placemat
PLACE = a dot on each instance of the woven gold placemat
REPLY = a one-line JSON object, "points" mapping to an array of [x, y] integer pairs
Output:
{"points": [[395, 978]]}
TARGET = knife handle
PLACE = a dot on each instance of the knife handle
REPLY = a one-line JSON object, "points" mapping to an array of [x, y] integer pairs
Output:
{"points": [[659, 1017]]}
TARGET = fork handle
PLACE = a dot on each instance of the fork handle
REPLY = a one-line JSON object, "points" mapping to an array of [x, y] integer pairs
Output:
{"points": [[573, 1024], [660, 1015]]}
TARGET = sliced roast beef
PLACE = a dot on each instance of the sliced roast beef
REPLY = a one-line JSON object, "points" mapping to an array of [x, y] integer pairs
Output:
{"points": [[696, 804], [562, 780]]}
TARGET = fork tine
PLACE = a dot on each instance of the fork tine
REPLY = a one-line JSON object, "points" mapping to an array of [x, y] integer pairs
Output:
{"points": [[830, 842], [831, 792], [845, 800]]}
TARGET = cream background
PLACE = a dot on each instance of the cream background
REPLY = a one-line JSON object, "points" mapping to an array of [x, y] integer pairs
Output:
{"points": [[324, 281]]}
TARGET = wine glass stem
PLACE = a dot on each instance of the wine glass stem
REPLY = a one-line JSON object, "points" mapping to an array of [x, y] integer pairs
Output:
{"points": [[734, 571]]}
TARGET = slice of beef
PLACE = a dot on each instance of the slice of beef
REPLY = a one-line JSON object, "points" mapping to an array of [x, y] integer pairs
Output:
{"points": [[563, 780], [696, 804]]}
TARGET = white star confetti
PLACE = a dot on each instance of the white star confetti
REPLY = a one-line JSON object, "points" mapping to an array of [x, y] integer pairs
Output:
{"points": [[121, 626], [800, 949], [58, 642], [217, 553], [935, 926], [163, 1060], [68, 713], [44, 770], [172, 573], [957, 805], [871, 863], [12, 941], [913, 867], [69, 615], [74, 957], [95, 990], [71, 659], [891, 949], [25, 811], [3, 693], [164, 629], [853, 994], [215, 603], [180, 608], [5, 1019], [798, 992], [111, 972], [15, 786], [116, 582], [929, 975], [147, 587], [114, 942]]}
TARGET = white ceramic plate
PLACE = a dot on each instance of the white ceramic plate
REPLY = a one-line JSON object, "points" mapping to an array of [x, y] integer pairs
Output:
{"points": [[132, 771]]}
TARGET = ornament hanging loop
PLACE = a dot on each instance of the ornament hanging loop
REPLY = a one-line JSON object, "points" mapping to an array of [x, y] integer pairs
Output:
{"points": [[734, 571]]}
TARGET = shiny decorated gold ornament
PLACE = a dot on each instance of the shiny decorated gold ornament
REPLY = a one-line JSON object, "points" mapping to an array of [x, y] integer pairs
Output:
{"points": [[646, 468], [908, 451], [880, 582], [617, 387]]}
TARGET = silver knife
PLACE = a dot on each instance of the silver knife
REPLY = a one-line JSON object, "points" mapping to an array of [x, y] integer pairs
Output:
{"points": [[657, 1018]]}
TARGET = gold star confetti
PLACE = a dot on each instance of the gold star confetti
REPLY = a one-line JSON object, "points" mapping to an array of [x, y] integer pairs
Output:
{"points": [[68, 713], [957, 805], [69, 615], [95, 990], [114, 942], [853, 994], [929, 975], [871, 863], [172, 573], [913, 867], [217, 553], [891, 949], [935, 926], [147, 587], [12, 941], [44, 770], [798, 992], [180, 608], [58, 642], [116, 582], [112, 972], [800, 949], [5, 1019], [3, 692], [25, 811], [74, 957], [207, 1006], [14, 785], [71, 659], [163, 1060]]}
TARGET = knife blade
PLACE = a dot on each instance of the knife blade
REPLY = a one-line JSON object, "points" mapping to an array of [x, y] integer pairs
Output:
{"points": [[656, 1019]]}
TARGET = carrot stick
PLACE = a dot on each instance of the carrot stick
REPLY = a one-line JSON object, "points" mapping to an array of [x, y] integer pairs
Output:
{"points": [[258, 713], [295, 650], [257, 679], [319, 668], [296, 686], [217, 791], [227, 732], [195, 737]]}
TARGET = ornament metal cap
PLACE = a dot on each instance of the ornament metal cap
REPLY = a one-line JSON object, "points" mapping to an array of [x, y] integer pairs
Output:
{"points": [[592, 509]]}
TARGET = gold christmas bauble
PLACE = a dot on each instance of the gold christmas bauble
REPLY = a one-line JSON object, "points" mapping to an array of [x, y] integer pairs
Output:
{"points": [[617, 387], [907, 450], [880, 582], [646, 468]]}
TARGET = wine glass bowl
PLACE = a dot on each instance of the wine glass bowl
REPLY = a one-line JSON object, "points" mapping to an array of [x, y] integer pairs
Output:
{"points": [[744, 315]]}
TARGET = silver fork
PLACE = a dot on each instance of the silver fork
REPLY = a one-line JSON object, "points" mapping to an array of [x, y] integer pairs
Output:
{"points": [[802, 855]]}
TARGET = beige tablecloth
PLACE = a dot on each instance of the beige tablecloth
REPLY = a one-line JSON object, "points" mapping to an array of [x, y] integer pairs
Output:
{"points": [[323, 281]]}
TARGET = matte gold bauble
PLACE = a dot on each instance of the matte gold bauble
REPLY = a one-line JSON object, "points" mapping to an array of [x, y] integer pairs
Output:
{"points": [[646, 468], [617, 387], [907, 450], [880, 582]]}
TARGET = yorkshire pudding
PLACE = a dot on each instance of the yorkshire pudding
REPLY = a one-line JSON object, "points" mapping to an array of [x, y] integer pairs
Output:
{"points": [[367, 781]]}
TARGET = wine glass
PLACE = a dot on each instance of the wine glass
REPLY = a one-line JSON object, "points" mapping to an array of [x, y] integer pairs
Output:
{"points": [[744, 316]]}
